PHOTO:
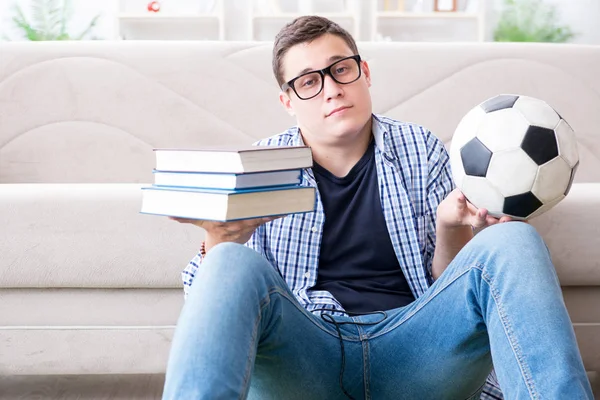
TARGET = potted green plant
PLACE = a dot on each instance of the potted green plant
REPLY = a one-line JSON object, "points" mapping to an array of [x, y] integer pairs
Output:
{"points": [[530, 21], [49, 21]]}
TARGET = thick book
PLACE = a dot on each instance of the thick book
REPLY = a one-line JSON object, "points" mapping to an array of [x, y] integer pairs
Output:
{"points": [[214, 180], [227, 205], [234, 160]]}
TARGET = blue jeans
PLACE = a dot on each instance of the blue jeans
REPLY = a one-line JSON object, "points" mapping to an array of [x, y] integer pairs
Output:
{"points": [[242, 334]]}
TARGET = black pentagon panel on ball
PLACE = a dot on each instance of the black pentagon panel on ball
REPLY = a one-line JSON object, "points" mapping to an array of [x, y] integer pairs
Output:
{"points": [[540, 144], [475, 158], [499, 103], [572, 178], [521, 205]]}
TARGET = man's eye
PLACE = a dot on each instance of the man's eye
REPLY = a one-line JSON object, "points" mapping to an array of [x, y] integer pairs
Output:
{"points": [[340, 70], [308, 82]]}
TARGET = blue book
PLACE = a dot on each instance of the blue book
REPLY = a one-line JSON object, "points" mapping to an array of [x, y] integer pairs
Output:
{"points": [[213, 180], [227, 205]]}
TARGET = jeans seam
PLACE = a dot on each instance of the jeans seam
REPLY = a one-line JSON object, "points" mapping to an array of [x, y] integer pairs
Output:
{"points": [[508, 330], [366, 368], [249, 363], [309, 316]]}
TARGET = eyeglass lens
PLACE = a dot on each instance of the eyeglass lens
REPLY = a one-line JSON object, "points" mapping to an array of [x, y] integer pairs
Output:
{"points": [[343, 71]]}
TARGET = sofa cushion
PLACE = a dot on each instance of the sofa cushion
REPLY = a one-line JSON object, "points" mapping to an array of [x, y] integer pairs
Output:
{"points": [[92, 235], [89, 235]]}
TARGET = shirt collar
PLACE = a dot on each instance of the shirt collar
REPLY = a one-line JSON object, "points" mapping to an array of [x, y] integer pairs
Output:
{"points": [[381, 134], [378, 129]]}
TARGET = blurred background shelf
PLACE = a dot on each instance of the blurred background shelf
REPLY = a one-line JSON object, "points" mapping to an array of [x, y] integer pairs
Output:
{"points": [[265, 27], [176, 20], [434, 15], [366, 20]]}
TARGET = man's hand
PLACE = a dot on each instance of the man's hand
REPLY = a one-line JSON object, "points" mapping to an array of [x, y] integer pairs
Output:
{"points": [[220, 232], [456, 218], [455, 211]]}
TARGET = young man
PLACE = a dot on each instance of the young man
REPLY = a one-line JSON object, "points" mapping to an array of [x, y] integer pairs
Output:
{"points": [[383, 292]]}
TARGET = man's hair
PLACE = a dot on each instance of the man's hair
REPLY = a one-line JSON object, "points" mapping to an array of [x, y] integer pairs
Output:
{"points": [[301, 30]]}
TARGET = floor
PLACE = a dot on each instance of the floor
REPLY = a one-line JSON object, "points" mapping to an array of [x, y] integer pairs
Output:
{"points": [[89, 387], [82, 387]]}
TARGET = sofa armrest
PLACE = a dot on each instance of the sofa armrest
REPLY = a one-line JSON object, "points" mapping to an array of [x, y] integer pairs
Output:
{"points": [[572, 232]]}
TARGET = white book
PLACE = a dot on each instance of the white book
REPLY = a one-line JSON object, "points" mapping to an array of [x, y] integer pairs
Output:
{"points": [[234, 160], [212, 180], [227, 205]]}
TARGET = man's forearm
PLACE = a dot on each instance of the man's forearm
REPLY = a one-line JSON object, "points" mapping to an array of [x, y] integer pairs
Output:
{"points": [[449, 241]]}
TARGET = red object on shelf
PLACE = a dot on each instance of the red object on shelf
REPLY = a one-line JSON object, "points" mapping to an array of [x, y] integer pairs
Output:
{"points": [[154, 6]]}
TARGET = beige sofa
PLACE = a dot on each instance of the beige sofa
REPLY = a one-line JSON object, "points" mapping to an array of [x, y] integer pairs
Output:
{"points": [[90, 286]]}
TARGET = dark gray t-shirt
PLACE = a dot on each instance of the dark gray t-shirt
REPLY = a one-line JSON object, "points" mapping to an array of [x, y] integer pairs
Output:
{"points": [[357, 263]]}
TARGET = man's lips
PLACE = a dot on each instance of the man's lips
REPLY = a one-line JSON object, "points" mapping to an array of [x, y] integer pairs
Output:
{"points": [[338, 109]]}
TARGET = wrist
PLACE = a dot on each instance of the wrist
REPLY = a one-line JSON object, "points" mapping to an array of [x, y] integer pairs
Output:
{"points": [[208, 243]]}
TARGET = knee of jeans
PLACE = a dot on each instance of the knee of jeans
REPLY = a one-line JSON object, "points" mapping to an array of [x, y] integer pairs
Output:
{"points": [[514, 238], [235, 262]]}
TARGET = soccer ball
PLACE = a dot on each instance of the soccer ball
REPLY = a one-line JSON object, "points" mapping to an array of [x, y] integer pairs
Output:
{"points": [[515, 156]]}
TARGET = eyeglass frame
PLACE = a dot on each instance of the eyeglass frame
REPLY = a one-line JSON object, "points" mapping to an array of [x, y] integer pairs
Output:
{"points": [[325, 71]]}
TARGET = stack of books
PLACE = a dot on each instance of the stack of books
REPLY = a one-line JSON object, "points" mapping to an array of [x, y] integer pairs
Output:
{"points": [[225, 184]]}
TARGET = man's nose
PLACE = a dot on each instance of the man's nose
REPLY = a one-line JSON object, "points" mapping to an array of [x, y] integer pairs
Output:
{"points": [[331, 88]]}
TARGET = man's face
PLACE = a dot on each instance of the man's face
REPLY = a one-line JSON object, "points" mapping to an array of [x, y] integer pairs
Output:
{"points": [[340, 110]]}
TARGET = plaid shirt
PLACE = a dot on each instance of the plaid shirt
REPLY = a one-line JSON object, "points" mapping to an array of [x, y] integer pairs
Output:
{"points": [[414, 176]]}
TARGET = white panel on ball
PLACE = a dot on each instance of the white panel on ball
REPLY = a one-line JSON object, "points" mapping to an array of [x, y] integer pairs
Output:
{"points": [[552, 180], [537, 112], [467, 128], [503, 130], [512, 172], [482, 194], [567, 143], [456, 165]]}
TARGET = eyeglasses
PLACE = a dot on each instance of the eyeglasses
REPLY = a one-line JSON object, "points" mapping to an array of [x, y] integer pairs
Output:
{"points": [[310, 84]]}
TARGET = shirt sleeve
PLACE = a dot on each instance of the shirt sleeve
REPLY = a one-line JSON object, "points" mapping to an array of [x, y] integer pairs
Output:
{"points": [[439, 185], [189, 272]]}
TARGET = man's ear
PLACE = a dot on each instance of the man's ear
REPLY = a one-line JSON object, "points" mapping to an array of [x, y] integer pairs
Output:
{"points": [[286, 102], [367, 72]]}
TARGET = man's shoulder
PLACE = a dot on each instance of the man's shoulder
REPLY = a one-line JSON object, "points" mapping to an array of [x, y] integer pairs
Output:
{"points": [[289, 137], [403, 131], [397, 127]]}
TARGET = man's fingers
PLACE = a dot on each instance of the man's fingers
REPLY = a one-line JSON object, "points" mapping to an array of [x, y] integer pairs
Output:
{"points": [[182, 220], [491, 220], [480, 218]]}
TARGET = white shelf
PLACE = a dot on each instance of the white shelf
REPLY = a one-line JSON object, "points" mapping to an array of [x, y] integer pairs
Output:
{"points": [[291, 16], [178, 22], [265, 26], [167, 17], [432, 15], [467, 24]]}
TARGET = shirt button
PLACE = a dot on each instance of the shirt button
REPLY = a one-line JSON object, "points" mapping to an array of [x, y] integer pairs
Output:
{"points": [[307, 275], [314, 228]]}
